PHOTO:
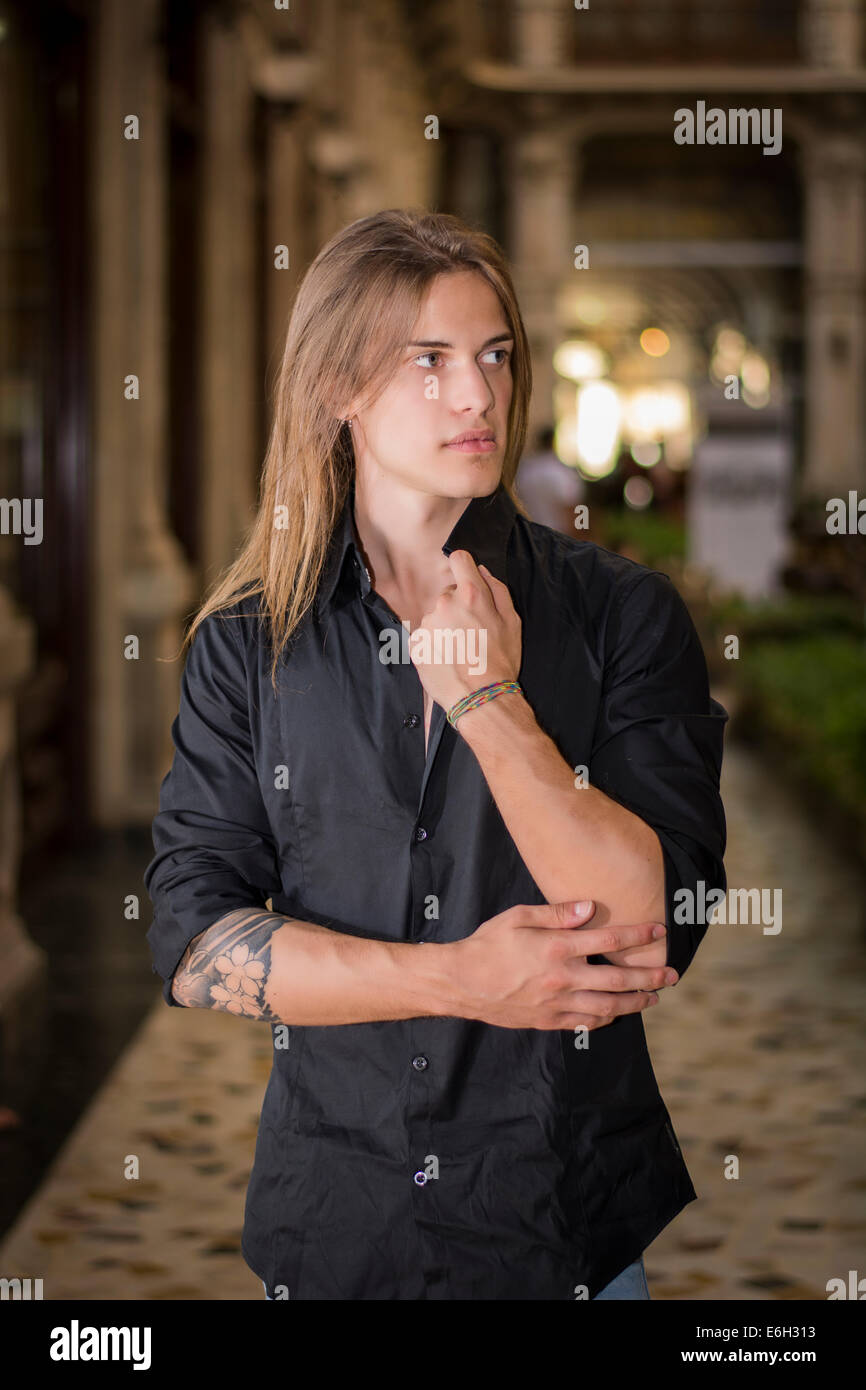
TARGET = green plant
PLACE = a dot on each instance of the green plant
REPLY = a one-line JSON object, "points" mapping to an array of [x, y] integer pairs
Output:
{"points": [[654, 537], [810, 693], [794, 615]]}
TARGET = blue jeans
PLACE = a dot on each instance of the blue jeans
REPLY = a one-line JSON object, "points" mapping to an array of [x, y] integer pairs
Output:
{"points": [[631, 1283]]}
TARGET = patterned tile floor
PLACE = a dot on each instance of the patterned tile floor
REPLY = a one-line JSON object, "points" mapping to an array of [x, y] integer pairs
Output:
{"points": [[760, 1054]]}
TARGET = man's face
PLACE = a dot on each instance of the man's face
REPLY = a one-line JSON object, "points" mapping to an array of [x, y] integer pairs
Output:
{"points": [[454, 378]]}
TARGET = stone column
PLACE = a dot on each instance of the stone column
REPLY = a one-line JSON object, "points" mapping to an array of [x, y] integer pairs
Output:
{"points": [[370, 150], [540, 240], [834, 175], [140, 582], [831, 33], [541, 246], [286, 225], [540, 32], [23, 977], [227, 327]]}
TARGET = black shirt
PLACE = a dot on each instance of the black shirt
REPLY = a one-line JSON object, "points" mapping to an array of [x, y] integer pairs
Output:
{"points": [[440, 1158]]}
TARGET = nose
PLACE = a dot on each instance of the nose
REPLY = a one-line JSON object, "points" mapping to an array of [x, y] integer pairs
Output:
{"points": [[471, 392]]}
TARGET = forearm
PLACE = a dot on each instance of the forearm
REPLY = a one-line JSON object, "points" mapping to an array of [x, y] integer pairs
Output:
{"points": [[575, 841], [277, 969]]}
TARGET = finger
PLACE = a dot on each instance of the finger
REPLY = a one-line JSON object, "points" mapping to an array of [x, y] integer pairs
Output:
{"points": [[609, 1006], [464, 569], [600, 941], [462, 562], [623, 977], [554, 915], [573, 1021], [499, 592], [497, 588], [466, 572]]}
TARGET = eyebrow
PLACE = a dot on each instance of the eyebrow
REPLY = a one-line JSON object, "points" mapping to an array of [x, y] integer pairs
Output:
{"points": [[436, 343]]}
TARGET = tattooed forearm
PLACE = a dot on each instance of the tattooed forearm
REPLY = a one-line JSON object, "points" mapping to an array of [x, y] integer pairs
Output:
{"points": [[282, 969], [228, 965]]}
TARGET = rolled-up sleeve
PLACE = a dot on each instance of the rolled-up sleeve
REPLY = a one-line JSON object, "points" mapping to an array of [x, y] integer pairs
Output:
{"points": [[657, 747], [214, 850]]}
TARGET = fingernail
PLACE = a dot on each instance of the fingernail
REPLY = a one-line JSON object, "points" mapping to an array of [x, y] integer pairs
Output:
{"points": [[671, 977], [657, 932], [654, 999], [583, 907]]}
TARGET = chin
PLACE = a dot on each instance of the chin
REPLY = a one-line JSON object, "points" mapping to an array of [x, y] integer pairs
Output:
{"points": [[473, 477]]}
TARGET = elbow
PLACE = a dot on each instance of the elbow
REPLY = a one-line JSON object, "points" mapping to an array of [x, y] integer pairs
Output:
{"points": [[655, 886], [187, 990], [174, 993]]}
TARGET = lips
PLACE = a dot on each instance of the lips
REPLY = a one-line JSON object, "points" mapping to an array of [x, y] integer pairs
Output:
{"points": [[474, 437]]}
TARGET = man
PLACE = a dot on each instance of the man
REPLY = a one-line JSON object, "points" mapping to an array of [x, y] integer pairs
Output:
{"points": [[462, 1103], [550, 489]]}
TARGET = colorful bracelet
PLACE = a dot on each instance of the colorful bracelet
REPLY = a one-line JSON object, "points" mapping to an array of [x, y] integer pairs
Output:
{"points": [[480, 697]]}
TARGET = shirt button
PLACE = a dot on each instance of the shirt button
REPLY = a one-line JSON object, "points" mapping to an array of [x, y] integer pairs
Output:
{"points": [[420, 1179], [420, 1063], [420, 833], [411, 721]]}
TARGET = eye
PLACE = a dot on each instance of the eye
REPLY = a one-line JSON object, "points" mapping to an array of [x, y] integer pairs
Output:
{"points": [[426, 354], [505, 351]]}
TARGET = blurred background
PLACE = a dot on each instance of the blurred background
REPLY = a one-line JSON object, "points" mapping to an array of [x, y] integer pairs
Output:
{"points": [[697, 316]]}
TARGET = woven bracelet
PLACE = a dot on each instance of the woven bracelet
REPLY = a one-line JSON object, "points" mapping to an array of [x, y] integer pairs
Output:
{"points": [[480, 697]]}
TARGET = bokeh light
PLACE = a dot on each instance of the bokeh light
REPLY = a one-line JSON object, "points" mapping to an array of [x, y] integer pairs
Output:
{"points": [[647, 455], [638, 493], [655, 342], [579, 360], [599, 417]]}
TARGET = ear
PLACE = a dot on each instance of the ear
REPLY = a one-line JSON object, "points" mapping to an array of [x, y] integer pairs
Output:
{"points": [[347, 411]]}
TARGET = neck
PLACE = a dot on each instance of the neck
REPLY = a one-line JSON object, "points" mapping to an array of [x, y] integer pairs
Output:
{"points": [[401, 533]]}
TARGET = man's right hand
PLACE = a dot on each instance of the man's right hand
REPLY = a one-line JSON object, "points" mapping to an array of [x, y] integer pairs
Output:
{"points": [[525, 969]]}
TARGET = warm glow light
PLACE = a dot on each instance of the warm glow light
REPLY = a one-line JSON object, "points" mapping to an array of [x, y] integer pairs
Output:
{"points": [[651, 412], [720, 369], [638, 493], [599, 412], [646, 454], [565, 440], [579, 360], [678, 451], [590, 309], [729, 348], [730, 343], [755, 373], [655, 342]]}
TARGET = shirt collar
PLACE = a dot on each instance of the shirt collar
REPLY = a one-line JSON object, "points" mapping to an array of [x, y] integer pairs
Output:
{"points": [[483, 528]]}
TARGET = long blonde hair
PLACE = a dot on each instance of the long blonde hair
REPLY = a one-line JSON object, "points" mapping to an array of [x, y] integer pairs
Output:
{"points": [[352, 317]]}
